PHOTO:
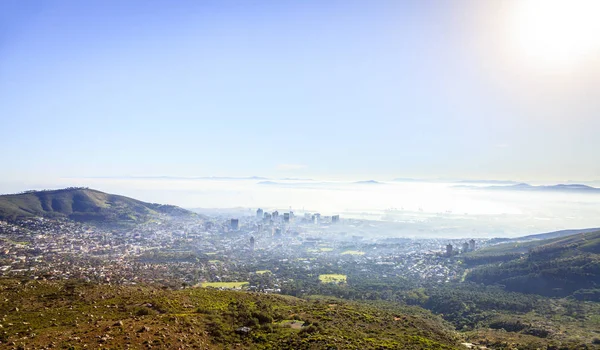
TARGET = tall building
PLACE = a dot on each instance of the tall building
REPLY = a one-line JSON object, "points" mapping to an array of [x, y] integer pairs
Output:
{"points": [[259, 213], [318, 218], [275, 215], [472, 245], [235, 224], [252, 243], [465, 247], [286, 217], [267, 217], [335, 219], [449, 249]]}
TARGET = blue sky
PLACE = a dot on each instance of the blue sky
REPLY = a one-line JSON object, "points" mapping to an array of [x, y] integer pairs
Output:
{"points": [[331, 89]]}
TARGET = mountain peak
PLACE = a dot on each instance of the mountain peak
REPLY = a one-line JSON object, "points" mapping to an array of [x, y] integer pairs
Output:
{"points": [[82, 204]]}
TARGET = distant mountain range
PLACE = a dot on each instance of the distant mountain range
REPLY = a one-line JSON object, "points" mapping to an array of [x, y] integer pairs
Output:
{"points": [[83, 204], [368, 182], [542, 188]]}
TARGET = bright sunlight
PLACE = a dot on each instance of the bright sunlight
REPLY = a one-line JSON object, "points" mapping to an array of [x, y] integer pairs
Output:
{"points": [[556, 32]]}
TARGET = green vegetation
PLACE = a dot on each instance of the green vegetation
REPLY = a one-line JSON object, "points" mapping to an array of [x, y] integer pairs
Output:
{"points": [[564, 266], [353, 252], [74, 315], [228, 285], [82, 204], [485, 315], [261, 272], [325, 249], [332, 278], [294, 324]]}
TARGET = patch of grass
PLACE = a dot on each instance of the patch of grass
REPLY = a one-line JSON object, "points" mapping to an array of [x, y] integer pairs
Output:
{"points": [[261, 272], [332, 278], [293, 324], [353, 252], [228, 285]]}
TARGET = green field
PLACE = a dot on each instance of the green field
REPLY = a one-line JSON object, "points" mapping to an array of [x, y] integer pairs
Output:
{"points": [[325, 249], [353, 252], [260, 272], [228, 285], [332, 278]]}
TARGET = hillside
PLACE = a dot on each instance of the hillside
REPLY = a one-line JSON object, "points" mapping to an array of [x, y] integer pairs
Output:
{"points": [[560, 266], [554, 234], [82, 204], [512, 248], [41, 314]]}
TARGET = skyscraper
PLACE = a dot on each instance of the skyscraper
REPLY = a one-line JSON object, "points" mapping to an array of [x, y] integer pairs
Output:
{"points": [[234, 224], [465, 247], [259, 213]]}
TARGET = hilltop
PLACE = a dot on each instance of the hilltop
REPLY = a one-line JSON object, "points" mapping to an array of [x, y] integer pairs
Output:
{"points": [[41, 314], [82, 204]]}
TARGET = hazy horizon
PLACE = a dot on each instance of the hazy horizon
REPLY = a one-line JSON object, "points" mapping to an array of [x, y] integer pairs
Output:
{"points": [[418, 209]]}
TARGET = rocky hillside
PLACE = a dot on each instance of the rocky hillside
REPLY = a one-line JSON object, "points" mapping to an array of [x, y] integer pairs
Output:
{"points": [[72, 315]]}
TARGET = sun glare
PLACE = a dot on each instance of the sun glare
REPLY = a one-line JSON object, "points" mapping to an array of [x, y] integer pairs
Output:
{"points": [[556, 31]]}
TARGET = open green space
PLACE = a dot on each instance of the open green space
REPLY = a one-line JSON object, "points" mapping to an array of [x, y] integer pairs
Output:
{"points": [[353, 252], [228, 285], [332, 278]]}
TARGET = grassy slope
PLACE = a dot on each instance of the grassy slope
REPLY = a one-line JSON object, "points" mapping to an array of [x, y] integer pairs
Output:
{"points": [[554, 267], [555, 234], [38, 314], [81, 205], [512, 250]]}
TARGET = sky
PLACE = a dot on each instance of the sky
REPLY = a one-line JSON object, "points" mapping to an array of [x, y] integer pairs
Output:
{"points": [[320, 89]]}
